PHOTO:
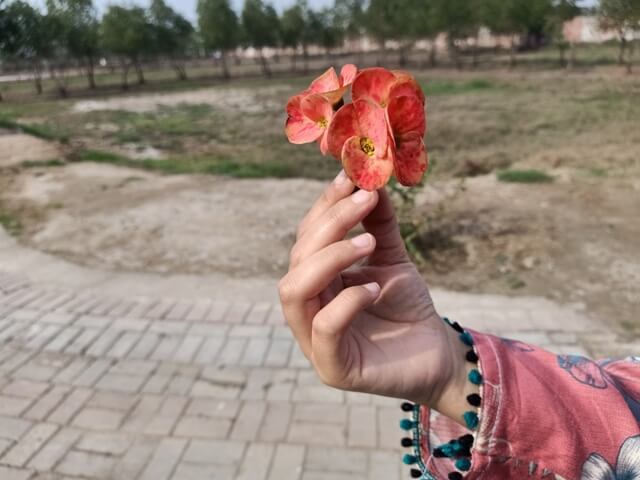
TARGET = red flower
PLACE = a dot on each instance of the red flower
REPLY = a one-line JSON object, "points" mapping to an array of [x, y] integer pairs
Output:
{"points": [[359, 137], [309, 113]]}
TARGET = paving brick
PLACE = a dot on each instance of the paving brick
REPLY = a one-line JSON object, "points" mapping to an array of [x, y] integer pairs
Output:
{"points": [[361, 431], [297, 358], [278, 353], [332, 459], [319, 393], [142, 413], [58, 318], [92, 418], [317, 434], [29, 444], [122, 308], [218, 311], [9, 473], [164, 460], [198, 471], [255, 352], [389, 434], [25, 388], [107, 443], [202, 427], [133, 367], [13, 406], [106, 340], [140, 308], [87, 464], [276, 317], [130, 324], [91, 322], [256, 462], [62, 339], [71, 371], [180, 385], [188, 349], [203, 388], [198, 311], [276, 422], [166, 348], [167, 416], [384, 466], [13, 428], [92, 373], [179, 311], [45, 404], [135, 459], [209, 350], [314, 475], [44, 336], [82, 342], [147, 344], [124, 345], [219, 452], [213, 408], [320, 412], [114, 401], [248, 421], [70, 406], [287, 462], [15, 361], [54, 450], [258, 313], [160, 309], [169, 327], [118, 382]]}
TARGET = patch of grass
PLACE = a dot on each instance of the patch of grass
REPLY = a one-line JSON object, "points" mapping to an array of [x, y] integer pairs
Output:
{"points": [[445, 87], [10, 223], [206, 164], [54, 162], [524, 176], [40, 131], [597, 172]]}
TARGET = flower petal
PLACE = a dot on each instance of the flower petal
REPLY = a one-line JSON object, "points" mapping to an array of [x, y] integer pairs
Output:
{"points": [[324, 142], [406, 84], [628, 467], [372, 123], [348, 74], [597, 468], [327, 82], [302, 130], [367, 172], [317, 108], [406, 114], [410, 160], [373, 84], [342, 127]]}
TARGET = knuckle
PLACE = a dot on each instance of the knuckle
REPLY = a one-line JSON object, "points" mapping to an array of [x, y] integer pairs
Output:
{"points": [[295, 255], [286, 289]]}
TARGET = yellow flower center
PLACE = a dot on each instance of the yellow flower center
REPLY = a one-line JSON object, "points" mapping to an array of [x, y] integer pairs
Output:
{"points": [[367, 146], [323, 123]]}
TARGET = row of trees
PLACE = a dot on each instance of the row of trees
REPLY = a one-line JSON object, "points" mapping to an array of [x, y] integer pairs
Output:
{"points": [[70, 34]]}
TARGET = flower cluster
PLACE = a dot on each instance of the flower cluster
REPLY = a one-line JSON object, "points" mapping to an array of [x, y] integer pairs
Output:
{"points": [[379, 134]]}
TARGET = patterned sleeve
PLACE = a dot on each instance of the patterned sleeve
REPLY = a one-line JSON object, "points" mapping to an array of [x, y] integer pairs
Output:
{"points": [[539, 415]]}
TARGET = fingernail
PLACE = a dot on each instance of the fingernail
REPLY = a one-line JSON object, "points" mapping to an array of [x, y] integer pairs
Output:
{"points": [[373, 287], [361, 196], [341, 178], [362, 241]]}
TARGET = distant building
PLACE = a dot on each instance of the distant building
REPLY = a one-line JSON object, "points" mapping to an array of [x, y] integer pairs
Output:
{"points": [[587, 29]]}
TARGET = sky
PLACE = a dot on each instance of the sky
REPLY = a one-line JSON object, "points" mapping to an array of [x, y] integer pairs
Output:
{"points": [[188, 7]]}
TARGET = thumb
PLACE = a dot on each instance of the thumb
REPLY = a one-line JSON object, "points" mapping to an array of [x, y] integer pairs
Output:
{"points": [[328, 340]]}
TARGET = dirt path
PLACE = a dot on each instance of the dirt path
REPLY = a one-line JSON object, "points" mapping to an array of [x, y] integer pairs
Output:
{"points": [[18, 148]]}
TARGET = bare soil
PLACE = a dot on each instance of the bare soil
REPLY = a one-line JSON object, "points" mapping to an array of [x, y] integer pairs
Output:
{"points": [[18, 148]]}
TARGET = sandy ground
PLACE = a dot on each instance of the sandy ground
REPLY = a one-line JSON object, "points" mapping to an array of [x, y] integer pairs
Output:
{"points": [[120, 219], [17, 148], [239, 99]]}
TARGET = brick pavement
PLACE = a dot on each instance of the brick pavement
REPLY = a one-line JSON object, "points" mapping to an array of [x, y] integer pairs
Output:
{"points": [[98, 387]]}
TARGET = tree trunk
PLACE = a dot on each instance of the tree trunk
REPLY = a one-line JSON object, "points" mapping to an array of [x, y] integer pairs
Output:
{"points": [[305, 57], [125, 76], [181, 72], [476, 50], [571, 61], [512, 53], [403, 57], [226, 75], [453, 53], [37, 78], [630, 58], [562, 59], [433, 54], [623, 47], [294, 58], [140, 73], [91, 78], [265, 65]]}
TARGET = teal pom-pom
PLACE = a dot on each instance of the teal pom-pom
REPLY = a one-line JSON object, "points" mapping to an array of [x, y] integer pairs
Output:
{"points": [[409, 459], [463, 464], [475, 377], [407, 424], [466, 338], [451, 449], [471, 420]]}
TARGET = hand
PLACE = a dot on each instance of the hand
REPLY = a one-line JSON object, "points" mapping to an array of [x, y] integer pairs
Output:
{"points": [[369, 327]]}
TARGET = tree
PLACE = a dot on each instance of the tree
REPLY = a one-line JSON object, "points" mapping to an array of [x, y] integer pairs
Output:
{"points": [[219, 29], [426, 24], [623, 16], [26, 38], [292, 28], [172, 35], [77, 31], [562, 11], [127, 34], [323, 27], [460, 19], [261, 28]]}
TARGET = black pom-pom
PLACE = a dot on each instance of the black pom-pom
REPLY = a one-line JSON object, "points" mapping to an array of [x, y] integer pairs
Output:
{"points": [[474, 399], [438, 453], [456, 326], [471, 356], [455, 476], [407, 407], [407, 442], [466, 440], [416, 473]]}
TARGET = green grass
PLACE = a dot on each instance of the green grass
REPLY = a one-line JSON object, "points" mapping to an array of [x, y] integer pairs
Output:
{"points": [[10, 223], [444, 87], [206, 164], [524, 176], [54, 162], [41, 131]]}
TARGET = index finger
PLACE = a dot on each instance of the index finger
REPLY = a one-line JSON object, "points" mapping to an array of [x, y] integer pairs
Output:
{"points": [[340, 188]]}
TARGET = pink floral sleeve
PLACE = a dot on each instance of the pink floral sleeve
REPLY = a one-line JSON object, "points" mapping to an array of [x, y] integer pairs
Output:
{"points": [[540, 415]]}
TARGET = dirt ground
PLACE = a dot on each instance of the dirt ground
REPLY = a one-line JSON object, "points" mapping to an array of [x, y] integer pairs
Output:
{"points": [[574, 239]]}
